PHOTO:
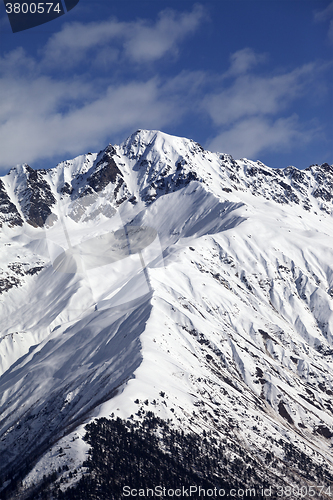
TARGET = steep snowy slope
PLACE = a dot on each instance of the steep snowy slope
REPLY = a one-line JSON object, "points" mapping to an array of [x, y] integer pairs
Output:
{"points": [[156, 276]]}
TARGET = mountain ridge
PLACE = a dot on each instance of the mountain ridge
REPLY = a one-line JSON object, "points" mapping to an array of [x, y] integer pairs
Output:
{"points": [[286, 185]]}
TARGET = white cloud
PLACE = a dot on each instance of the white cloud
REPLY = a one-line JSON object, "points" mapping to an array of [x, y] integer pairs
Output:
{"points": [[70, 46], [17, 62], [251, 95], [326, 15], [323, 15], [243, 60], [43, 112], [252, 136], [148, 43], [138, 41], [32, 127], [248, 113]]}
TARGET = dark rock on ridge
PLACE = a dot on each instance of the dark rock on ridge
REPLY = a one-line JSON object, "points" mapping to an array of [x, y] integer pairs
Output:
{"points": [[8, 211], [38, 198]]}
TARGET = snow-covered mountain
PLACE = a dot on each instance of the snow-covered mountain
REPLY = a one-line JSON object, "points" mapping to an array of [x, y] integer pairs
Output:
{"points": [[157, 276]]}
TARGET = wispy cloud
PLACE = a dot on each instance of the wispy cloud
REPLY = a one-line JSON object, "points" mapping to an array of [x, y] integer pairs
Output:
{"points": [[251, 136], [50, 116], [251, 95], [249, 111], [243, 60], [148, 43], [136, 42], [326, 15], [47, 109]]}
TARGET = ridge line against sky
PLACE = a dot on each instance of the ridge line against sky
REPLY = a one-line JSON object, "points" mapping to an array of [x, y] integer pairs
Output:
{"points": [[218, 72]]}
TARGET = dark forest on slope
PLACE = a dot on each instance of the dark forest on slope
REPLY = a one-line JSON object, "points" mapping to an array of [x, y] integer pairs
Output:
{"points": [[143, 455]]}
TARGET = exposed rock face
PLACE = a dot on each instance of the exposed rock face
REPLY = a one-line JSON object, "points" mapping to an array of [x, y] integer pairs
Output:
{"points": [[13, 274], [36, 199], [323, 176], [107, 172], [8, 211]]}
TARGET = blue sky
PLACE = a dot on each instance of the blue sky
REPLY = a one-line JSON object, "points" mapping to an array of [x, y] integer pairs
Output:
{"points": [[251, 78]]}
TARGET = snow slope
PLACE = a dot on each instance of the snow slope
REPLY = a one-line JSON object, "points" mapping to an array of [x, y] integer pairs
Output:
{"points": [[156, 276]]}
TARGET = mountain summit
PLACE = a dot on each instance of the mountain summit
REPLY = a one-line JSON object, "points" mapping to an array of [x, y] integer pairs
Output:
{"points": [[158, 278]]}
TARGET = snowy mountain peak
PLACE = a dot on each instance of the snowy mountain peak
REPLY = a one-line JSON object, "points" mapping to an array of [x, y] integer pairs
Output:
{"points": [[150, 164], [157, 278]]}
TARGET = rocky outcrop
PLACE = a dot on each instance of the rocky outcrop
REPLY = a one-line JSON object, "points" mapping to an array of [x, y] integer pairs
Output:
{"points": [[8, 211]]}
